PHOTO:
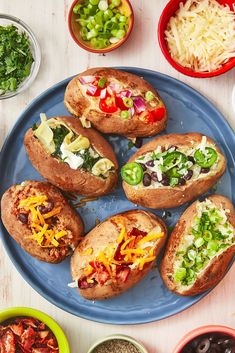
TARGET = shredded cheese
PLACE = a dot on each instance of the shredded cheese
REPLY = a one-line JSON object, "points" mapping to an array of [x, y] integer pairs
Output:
{"points": [[201, 35]]}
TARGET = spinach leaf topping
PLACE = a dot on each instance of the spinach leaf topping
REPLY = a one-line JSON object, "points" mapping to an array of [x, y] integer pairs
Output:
{"points": [[59, 134]]}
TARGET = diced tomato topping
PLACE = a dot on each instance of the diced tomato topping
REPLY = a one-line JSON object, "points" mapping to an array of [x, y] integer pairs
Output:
{"points": [[108, 104], [123, 273], [158, 114], [120, 103]]}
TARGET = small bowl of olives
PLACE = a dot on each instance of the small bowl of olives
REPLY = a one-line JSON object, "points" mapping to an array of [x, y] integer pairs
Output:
{"points": [[208, 339]]}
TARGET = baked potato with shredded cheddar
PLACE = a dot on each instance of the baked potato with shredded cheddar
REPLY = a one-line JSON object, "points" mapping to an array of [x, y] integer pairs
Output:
{"points": [[117, 254], [71, 157], [41, 221], [172, 169], [200, 247], [116, 102]]}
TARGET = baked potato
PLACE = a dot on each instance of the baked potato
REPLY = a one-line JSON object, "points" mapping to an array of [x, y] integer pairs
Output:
{"points": [[172, 169], [117, 254], [200, 247], [116, 102], [71, 157], [41, 221]]}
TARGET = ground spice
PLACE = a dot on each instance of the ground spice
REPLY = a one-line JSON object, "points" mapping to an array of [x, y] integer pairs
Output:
{"points": [[116, 346]]}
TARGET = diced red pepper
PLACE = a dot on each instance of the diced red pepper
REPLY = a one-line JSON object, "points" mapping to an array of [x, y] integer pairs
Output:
{"points": [[108, 104], [120, 103]]}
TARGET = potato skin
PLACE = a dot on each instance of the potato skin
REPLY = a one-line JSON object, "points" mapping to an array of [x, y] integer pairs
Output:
{"points": [[79, 104], [103, 235], [216, 269], [168, 197], [61, 175], [20, 232]]}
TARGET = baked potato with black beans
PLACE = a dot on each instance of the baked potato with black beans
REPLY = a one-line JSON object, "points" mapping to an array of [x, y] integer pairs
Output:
{"points": [[116, 102], [200, 247], [41, 221], [117, 254], [172, 169], [71, 157]]}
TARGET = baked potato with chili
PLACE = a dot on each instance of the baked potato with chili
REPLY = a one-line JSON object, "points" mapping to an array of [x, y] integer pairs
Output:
{"points": [[116, 102], [172, 169], [41, 221], [71, 157], [200, 247], [117, 254]]}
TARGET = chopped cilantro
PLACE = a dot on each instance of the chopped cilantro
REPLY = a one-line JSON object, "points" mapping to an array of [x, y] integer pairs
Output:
{"points": [[15, 58]]}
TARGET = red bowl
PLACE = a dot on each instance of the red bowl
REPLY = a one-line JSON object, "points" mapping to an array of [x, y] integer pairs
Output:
{"points": [[169, 11], [74, 29], [201, 331]]}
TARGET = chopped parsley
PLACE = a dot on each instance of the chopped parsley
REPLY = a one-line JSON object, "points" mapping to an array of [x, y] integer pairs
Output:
{"points": [[15, 58]]}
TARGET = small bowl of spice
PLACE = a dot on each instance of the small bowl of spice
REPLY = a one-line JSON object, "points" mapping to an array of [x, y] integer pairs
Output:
{"points": [[29, 330], [208, 339], [100, 26], [116, 344], [19, 54]]}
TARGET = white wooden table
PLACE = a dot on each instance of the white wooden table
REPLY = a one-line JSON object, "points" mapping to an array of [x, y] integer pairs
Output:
{"points": [[61, 57]]}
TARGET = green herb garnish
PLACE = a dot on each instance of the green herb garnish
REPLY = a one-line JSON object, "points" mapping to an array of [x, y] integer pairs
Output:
{"points": [[59, 134], [15, 58], [88, 160]]}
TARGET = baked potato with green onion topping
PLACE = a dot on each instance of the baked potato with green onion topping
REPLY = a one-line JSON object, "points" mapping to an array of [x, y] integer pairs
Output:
{"points": [[71, 157], [41, 221], [117, 254], [116, 102], [200, 247], [172, 169]]}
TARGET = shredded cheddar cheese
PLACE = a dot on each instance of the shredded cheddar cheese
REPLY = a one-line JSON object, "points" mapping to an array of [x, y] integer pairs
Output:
{"points": [[43, 233]]}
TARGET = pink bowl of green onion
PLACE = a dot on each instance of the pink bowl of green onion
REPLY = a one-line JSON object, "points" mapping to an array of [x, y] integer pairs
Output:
{"points": [[100, 26]]}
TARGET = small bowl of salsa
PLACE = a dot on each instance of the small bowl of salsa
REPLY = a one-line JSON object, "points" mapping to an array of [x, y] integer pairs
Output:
{"points": [[29, 330], [100, 26], [208, 339]]}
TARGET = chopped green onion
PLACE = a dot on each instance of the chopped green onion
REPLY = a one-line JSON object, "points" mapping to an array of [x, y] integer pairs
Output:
{"points": [[77, 8], [94, 2], [128, 102], [102, 82], [199, 242], [149, 96], [180, 274], [93, 33], [125, 114], [103, 5], [116, 3]]}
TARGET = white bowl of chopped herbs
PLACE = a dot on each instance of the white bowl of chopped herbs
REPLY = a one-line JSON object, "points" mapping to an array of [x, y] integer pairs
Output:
{"points": [[20, 56], [100, 26], [116, 344]]}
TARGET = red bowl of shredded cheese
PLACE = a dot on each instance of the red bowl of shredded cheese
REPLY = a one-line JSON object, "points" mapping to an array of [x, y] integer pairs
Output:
{"points": [[197, 37]]}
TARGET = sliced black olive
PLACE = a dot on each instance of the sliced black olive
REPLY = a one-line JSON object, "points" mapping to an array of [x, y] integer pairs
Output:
{"points": [[189, 175], [203, 346], [150, 163], [181, 181], [165, 181], [154, 176], [191, 159], [23, 218], [205, 170], [147, 179], [138, 142]]}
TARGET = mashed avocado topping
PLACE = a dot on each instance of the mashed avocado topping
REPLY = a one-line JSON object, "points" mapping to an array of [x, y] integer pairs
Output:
{"points": [[209, 236], [67, 146], [132, 250], [38, 212], [172, 165]]}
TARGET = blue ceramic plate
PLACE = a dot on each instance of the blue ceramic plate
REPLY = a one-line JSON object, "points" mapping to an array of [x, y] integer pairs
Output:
{"points": [[149, 300]]}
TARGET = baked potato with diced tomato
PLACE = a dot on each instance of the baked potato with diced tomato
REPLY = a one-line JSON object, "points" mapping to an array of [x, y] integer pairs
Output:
{"points": [[116, 102], [200, 247], [41, 221], [71, 157], [117, 254], [172, 169]]}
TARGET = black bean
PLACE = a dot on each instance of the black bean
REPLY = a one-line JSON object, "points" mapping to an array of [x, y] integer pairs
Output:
{"points": [[23, 218], [165, 181], [147, 179], [181, 181], [143, 166], [138, 142], [154, 176], [191, 159], [150, 163], [205, 170], [203, 346], [189, 175], [45, 209]]}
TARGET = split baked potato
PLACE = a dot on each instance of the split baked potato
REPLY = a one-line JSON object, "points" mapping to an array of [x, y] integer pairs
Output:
{"points": [[116, 102], [41, 221], [200, 247], [172, 169], [71, 157], [117, 254]]}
